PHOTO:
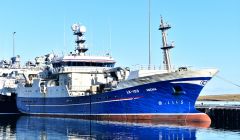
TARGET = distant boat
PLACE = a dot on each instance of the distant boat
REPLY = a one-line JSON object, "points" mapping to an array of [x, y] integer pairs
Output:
{"points": [[11, 73], [8, 71], [78, 85]]}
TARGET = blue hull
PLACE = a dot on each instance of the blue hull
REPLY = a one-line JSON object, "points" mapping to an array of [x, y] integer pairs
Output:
{"points": [[165, 98]]}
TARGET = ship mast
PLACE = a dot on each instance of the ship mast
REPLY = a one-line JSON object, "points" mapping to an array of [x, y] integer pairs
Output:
{"points": [[166, 47], [79, 31]]}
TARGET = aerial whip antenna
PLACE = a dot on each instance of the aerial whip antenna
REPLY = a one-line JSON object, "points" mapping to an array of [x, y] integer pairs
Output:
{"points": [[14, 43], [149, 35]]}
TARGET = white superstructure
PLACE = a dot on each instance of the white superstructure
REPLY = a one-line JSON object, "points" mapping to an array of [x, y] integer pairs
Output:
{"points": [[77, 74], [12, 73]]}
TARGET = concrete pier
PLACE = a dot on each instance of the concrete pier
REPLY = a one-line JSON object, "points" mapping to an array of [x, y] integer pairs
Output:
{"points": [[222, 116]]}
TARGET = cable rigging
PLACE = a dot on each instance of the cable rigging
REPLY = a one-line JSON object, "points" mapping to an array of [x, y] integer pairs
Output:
{"points": [[228, 81]]}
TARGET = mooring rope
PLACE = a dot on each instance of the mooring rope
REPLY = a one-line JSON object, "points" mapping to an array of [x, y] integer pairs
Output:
{"points": [[228, 81]]}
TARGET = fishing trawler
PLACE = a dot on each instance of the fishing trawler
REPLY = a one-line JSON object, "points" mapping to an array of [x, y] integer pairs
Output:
{"points": [[12, 73], [8, 72], [78, 85]]}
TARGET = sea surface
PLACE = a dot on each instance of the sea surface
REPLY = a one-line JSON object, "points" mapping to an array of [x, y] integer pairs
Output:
{"points": [[49, 128]]}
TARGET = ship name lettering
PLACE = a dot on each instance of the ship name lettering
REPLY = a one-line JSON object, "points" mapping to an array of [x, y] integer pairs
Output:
{"points": [[132, 91], [28, 90], [170, 102], [203, 83], [159, 102], [181, 101], [151, 89]]}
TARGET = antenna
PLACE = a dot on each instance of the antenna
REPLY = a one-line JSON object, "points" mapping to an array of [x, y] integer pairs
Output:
{"points": [[110, 39], [79, 31], [64, 34], [14, 43], [149, 34]]}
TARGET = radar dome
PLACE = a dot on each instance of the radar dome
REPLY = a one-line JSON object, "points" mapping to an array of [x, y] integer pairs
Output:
{"points": [[75, 27], [83, 29]]}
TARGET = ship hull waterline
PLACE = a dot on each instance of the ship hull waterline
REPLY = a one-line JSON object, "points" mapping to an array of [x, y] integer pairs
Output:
{"points": [[194, 120], [149, 102]]}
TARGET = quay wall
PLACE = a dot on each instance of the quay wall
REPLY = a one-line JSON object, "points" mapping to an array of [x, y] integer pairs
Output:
{"points": [[225, 117]]}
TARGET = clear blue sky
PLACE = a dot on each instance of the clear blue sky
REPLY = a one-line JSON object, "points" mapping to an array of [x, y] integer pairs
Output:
{"points": [[206, 32]]}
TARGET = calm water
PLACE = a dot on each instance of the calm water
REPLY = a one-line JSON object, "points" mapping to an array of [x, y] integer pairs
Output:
{"points": [[43, 128]]}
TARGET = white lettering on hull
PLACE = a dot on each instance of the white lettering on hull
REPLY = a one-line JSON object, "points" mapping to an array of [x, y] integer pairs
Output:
{"points": [[170, 102], [132, 91], [151, 89]]}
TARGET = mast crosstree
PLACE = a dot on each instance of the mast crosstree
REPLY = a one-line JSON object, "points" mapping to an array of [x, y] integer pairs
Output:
{"points": [[166, 47]]}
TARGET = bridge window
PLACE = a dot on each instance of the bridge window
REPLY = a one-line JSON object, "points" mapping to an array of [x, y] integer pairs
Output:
{"points": [[95, 64]]}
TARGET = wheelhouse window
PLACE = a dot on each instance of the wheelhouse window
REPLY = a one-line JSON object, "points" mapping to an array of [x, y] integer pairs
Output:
{"points": [[88, 64]]}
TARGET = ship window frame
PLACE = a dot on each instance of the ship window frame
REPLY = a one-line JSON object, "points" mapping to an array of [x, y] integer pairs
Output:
{"points": [[88, 64]]}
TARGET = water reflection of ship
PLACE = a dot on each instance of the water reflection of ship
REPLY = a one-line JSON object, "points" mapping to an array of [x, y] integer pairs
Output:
{"points": [[8, 126], [31, 127]]}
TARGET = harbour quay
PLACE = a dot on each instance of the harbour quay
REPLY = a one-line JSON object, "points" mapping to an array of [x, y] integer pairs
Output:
{"points": [[224, 115]]}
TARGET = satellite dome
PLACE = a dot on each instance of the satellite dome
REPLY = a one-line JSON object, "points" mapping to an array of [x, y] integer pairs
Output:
{"points": [[75, 27], [83, 29]]}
